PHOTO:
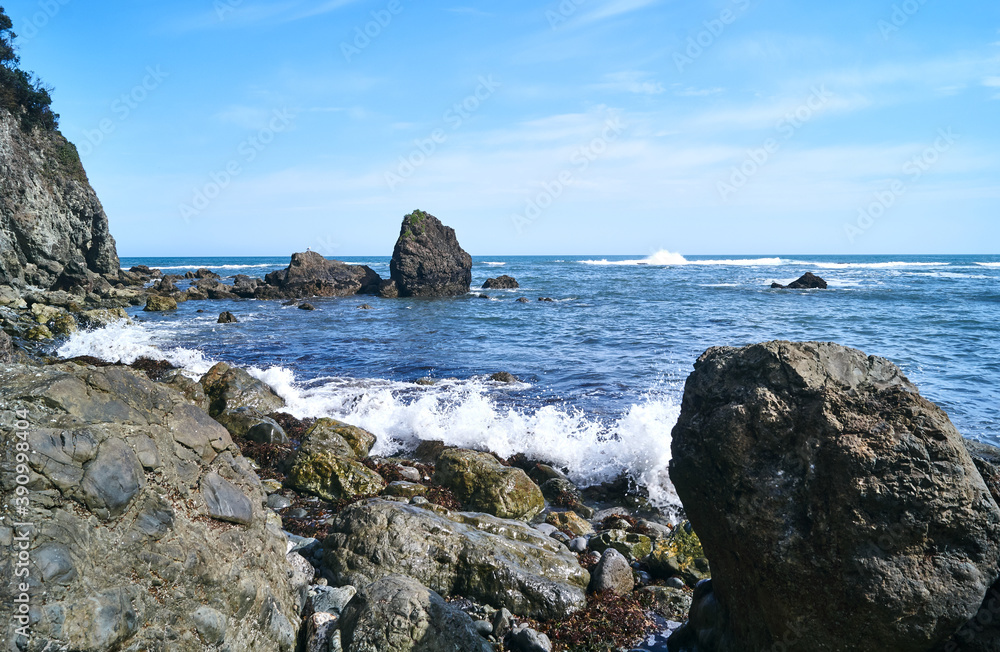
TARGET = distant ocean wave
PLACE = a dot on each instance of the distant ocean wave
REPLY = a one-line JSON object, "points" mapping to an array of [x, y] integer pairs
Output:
{"points": [[210, 266], [988, 264], [664, 258]]}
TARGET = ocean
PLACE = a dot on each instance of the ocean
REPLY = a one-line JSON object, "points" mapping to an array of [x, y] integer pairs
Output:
{"points": [[601, 367]]}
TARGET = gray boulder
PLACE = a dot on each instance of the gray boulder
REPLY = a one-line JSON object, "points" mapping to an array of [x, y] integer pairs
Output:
{"points": [[485, 485], [840, 509], [231, 388], [133, 493], [613, 573], [427, 260], [398, 613], [500, 562]]}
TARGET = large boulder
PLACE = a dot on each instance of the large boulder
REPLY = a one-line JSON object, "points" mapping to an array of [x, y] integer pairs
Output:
{"points": [[311, 275], [332, 477], [232, 388], [148, 530], [840, 509], [328, 435], [483, 484], [400, 614], [500, 562], [427, 260]]}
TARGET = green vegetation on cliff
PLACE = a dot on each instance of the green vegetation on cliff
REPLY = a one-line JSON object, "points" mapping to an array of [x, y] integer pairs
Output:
{"points": [[20, 92]]}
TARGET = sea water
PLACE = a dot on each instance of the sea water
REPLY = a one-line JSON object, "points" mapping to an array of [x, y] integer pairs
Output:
{"points": [[601, 368]]}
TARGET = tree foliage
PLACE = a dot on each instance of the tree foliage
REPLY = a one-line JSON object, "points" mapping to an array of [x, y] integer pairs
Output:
{"points": [[20, 92]]}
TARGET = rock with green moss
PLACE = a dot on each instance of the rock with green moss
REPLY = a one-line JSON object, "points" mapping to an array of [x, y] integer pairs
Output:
{"points": [[672, 604], [160, 304], [332, 478], [570, 522], [101, 317], [679, 555], [43, 313], [404, 489], [38, 333], [504, 563], [483, 484], [64, 324], [332, 436], [427, 260], [633, 546]]}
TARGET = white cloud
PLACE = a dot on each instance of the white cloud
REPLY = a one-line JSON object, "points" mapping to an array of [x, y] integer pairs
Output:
{"points": [[690, 91], [614, 8], [631, 82]]}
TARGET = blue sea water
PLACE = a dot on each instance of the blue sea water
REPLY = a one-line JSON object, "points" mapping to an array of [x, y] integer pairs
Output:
{"points": [[602, 366]]}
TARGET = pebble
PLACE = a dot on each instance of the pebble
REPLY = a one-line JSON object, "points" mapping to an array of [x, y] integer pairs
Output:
{"points": [[298, 512], [409, 473], [484, 628], [578, 544], [277, 502]]}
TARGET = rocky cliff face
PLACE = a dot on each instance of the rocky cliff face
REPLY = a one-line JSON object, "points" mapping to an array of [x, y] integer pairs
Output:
{"points": [[53, 229]]}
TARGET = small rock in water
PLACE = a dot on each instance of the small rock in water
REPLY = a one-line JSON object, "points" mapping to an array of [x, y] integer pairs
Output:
{"points": [[227, 318], [484, 296], [503, 377], [523, 300], [424, 381], [807, 281], [365, 306], [549, 300], [501, 283], [306, 306]]}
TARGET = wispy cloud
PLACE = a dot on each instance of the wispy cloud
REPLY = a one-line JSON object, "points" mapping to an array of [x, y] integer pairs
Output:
{"points": [[614, 8], [690, 91], [470, 11], [234, 15], [631, 82]]}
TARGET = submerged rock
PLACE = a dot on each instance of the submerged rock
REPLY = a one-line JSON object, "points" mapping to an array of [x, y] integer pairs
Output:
{"points": [[398, 614], [481, 483], [427, 260], [501, 562], [840, 509]]}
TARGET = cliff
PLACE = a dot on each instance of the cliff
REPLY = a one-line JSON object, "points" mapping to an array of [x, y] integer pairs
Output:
{"points": [[53, 229]]}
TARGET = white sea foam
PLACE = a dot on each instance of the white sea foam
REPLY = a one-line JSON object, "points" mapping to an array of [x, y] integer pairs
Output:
{"points": [[988, 264], [664, 258], [458, 412], [495, 264], [462, 413], [211, 266], [888, 265], [126, 343]]}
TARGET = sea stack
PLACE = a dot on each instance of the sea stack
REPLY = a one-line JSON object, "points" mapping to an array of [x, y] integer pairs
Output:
{"points": [[427, 260]]}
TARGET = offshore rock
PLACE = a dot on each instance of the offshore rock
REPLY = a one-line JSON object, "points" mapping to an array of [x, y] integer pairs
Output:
{"points": [[427, 260], [501, 562], [807, 281], [501, 283], [840, 509], [311, 275]]}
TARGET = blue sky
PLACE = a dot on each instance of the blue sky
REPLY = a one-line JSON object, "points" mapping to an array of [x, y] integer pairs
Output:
{"points": [[245, 127]]}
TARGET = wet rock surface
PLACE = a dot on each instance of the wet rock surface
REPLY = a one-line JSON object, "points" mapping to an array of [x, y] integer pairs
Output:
{"points": [[427, 260]]}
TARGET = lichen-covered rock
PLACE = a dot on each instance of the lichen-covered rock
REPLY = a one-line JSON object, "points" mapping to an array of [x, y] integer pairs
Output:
{"points": [[839, 508], [160, 304], [231, 388], [483, 484], [404, 489], [633, 546], [427, 260], [679, 554], [331, 477], [501, 562], [399, 614], [672, 604], [332, 436], [38, 333], [101, 317], [570, 522], [132, 492]]}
